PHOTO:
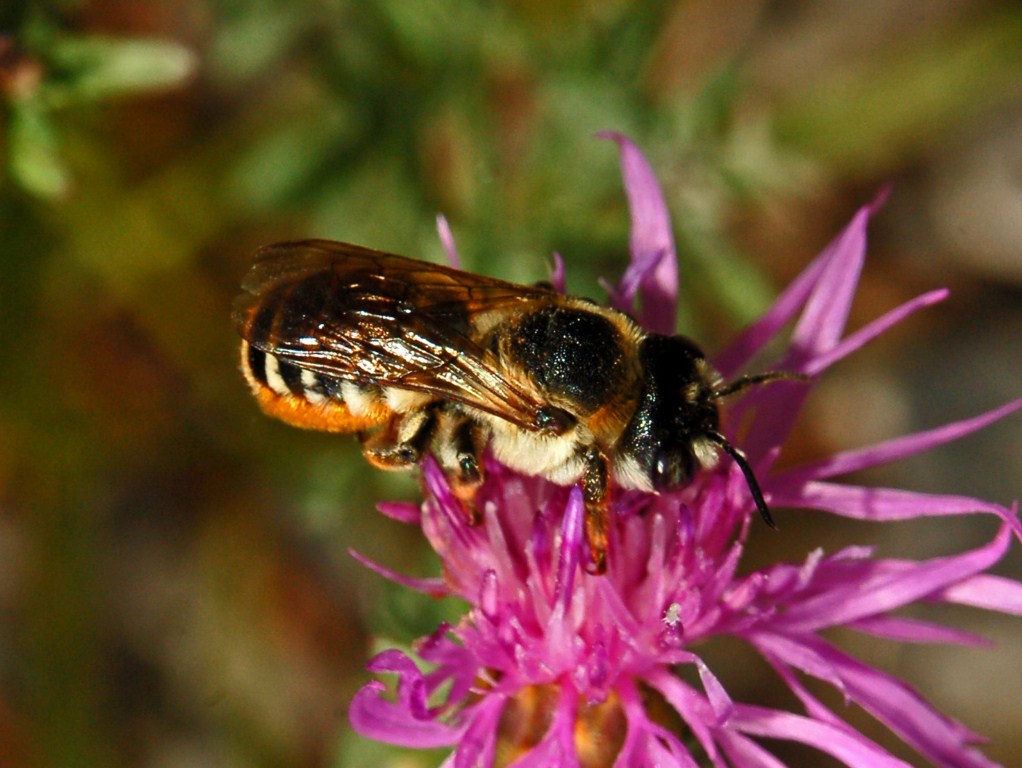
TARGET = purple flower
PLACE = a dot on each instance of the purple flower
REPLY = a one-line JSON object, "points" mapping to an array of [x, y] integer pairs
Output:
{"points": [[552, 666]]}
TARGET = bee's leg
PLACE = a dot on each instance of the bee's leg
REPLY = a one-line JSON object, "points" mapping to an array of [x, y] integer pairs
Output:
{"points": [[402, 441], [459, 450], [595, 480]]}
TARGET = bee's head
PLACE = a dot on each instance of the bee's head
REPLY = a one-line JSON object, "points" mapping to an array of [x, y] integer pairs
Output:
{"points": [[668, 435], [675, 429]]}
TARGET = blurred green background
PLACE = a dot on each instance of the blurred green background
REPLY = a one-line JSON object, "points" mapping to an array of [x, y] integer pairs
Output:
{"points": [[175, 588]]}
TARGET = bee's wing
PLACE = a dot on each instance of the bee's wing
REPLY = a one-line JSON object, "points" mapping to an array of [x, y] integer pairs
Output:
{"points": [[375, 318]]}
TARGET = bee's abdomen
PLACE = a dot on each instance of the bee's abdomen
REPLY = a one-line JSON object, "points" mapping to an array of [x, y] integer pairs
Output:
{"points": [[307, 399]]}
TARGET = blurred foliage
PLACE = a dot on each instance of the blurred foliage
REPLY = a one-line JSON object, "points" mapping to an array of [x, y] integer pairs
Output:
{"points": [[44, 71], [175, 587]]}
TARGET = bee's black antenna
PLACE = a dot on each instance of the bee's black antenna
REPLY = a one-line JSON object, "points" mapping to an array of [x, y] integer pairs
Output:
{"points": [[755, 379], [750, 479]]}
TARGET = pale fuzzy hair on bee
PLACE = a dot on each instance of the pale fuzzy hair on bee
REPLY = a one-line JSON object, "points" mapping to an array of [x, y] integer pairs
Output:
{"points": [[271, 368], [311, 384], [707, 452], [358, 399], [630, 474], [246, 369], [711, 379], [362, 400], [555, 457], [405, 400]]}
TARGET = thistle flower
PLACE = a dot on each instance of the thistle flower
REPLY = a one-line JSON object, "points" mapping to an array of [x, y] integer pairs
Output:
{"points": [[552, 666]]}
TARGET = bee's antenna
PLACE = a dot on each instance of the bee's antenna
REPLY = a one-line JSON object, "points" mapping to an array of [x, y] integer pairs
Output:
{"points": [[755, 379], [750, 479]]}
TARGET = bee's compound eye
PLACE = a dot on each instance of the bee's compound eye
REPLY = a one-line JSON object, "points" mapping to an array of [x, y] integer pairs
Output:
{"points": [[671, 468], [554, 420]]}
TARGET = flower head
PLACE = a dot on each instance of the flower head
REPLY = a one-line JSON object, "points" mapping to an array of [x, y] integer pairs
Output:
{"points": [[552, 666]]}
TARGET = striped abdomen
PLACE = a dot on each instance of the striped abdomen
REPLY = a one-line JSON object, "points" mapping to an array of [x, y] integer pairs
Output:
{"points": [[307, 399]]}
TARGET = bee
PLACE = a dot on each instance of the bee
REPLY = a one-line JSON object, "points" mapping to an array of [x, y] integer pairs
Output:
{"points": [[414, 357]]}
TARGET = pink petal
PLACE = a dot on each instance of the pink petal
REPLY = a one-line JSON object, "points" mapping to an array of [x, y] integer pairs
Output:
{"points": [[411, 683], [407, 721], [402, 511], [558, 275], [846, 745], [673, 755], [890, 701], [888, 591], [646, 743], [816, 333], [720, 702], [823, 319], [447, 241], [746, 752], [652, 241], [455, 529], [813, 706], [995, 593], [617, 297], [791, 651], [938, 738], [375, 717], [479, 742], [867, 333], [693, 708], [794, 297], [431, 587], [891, 450], [906, 630], [763, 331], [866, 503], [453, 664], [571, 545]]}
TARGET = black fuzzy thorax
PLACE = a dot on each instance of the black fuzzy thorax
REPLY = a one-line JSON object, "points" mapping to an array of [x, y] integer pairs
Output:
{"points": [[574, 356]]}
